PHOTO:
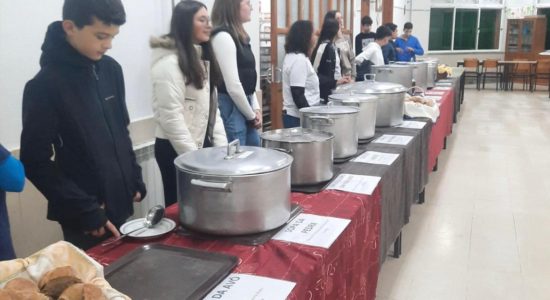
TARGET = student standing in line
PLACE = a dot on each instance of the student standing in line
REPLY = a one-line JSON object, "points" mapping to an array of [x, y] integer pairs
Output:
{"points": [[12, 179], [300, 82], [388, 50], [185, 103], [75, 143], [363, 38], [343, 43], [373, 52], [326, 61], [407, 45], [238, 104]]}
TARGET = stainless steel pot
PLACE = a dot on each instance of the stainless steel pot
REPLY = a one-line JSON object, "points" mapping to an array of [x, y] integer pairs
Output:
{"points": [[233, 190], [366, 121], [395, 73], [420, 72], [311, 150], [432, 70], [391, 97], [341, 121]]}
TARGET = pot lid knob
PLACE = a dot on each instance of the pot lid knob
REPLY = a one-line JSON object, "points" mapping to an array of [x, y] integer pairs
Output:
{"points": [[233, 148]]}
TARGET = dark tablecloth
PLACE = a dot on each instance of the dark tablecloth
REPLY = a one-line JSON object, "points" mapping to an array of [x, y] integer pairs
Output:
{"points": [[348, 270]]}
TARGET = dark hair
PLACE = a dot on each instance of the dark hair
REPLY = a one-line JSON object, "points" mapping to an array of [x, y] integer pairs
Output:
{"points": [[226, 13], [366, 20], [81, 12], [408, 25], [299, 36], [391, 26], [331, 14], [382, 32], [328, 32], [181, 30]]}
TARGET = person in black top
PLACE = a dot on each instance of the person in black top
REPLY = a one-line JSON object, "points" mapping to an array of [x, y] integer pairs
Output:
{"points": [[75, 143], [325, 60], [388, 50], [363, 38]]}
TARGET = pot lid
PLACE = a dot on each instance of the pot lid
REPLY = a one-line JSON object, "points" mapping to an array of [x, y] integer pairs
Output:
{"points": [[233, 160], [409, 63], [330, 110], [297, 135], [370, 87], [353, 97]]}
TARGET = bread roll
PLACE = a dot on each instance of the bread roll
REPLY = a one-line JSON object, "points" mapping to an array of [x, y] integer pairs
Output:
{"points": [[55, 287], [82, 291], [22, 284], [55, 273], [9, 294]]}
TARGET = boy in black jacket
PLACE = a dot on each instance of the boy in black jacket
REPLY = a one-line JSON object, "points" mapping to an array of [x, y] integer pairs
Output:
{"points": [[75, 143]]}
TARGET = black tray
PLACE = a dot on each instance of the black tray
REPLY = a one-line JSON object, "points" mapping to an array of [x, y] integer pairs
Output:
{"points": [[248, 239], [157, 271]]}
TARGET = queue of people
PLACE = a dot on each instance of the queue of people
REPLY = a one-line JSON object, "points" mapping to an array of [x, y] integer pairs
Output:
{"points": [[75, 144]]}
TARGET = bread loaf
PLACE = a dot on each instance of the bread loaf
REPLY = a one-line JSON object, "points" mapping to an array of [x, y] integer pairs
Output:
{"points": [[22, 284], [82, 291], [54, 282]]}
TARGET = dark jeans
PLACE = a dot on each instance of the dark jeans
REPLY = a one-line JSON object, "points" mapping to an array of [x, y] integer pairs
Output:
{"points": [[290, 121], [82, 240], [165, 155], [235, 123], [6, 247]]}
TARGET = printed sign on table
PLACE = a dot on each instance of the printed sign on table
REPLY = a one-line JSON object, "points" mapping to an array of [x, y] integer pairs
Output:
{"points": [[412, 124], [359, 184], [312, 230], [250, 287], [377, 158], [393, 139]]}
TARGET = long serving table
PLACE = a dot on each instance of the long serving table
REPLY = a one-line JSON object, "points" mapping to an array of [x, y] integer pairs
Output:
{"points": [[349, 268]]}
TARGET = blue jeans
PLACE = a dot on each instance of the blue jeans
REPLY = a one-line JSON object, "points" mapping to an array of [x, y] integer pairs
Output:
{"points": [[290, 121], [235, 123]]}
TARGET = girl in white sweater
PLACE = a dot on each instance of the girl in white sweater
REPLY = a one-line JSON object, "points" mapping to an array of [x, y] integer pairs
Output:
{"points": [[184, 75]]}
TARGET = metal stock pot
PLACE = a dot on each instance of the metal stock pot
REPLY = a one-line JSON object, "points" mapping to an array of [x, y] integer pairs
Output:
{"points": [[395, 73], [420, 72], [432, 70], [341, 121], [311, 150], [391, 98], [233, 190], [366, 121]]}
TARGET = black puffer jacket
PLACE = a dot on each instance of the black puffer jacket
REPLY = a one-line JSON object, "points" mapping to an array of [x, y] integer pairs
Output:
{"points": [[325, 68], [78, 106]]}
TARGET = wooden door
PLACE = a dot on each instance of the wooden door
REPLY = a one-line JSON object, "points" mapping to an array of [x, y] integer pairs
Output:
{"points": [[283, 14]]}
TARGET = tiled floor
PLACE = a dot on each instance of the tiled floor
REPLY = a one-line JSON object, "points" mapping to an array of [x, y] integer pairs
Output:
{"points": [[484, 231]]}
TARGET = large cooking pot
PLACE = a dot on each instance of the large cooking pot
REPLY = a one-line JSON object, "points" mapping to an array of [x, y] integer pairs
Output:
{"points": [[391, 97], [366, 121], [420, 72], [311, 150], [432, 70], [395, 73], [341, 121], [233, 190]]}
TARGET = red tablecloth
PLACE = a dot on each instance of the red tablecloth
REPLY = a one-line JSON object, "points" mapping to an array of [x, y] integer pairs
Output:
{"points": [[442, 128], [348, 270]]}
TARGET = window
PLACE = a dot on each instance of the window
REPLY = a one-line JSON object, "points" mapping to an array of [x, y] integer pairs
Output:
{"points": [[464, 28]]}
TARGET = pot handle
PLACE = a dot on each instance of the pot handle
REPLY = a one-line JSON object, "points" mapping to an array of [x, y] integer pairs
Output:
{"points": [[233, 148], [217, 186], [287, 151], [373, 76], [317, 119]]}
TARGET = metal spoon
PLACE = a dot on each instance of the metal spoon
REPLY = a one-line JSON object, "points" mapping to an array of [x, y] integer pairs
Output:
{"points": [[154, 215]]}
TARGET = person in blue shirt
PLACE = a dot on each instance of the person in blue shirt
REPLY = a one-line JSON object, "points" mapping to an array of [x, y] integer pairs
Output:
{"points": [[408, 46], [12, 179]]}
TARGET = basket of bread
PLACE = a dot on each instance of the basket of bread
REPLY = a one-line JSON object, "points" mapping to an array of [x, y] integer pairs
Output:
{"points": [[59, 271], [443, 71], [420, 106]]}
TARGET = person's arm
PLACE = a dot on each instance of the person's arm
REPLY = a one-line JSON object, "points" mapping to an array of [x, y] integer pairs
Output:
{"points": [[326, 81], [168, 90], [137, 176], [358, 44], [226, 51], [12, 173], [365, 55], [297, 79], [418, 50], [40, 131]]}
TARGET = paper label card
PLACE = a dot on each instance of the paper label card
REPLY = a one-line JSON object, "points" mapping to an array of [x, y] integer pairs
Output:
{"points": [[442, 88], [393, 139], [359, 184], [412, 124], [312, 230], [250, 287], [377, 158], [432, 92]]}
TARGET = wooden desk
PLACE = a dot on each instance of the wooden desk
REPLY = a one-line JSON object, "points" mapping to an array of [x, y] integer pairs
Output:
{"points": [[508, 70]]}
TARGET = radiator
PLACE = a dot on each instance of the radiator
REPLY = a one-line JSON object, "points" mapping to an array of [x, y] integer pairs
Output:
{"points": [[145, 155]]}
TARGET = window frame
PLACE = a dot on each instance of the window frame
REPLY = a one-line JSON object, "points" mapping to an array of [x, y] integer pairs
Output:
{"points": [[478, 7]]}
